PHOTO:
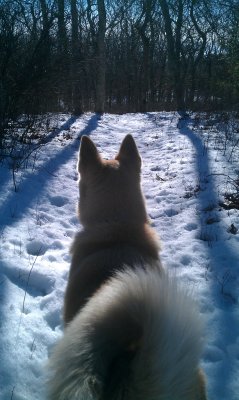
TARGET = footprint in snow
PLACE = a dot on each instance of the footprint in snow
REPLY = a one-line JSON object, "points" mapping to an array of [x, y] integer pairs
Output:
{"points": [[170, 212], [185, 260], [32, 282], [57, 245], [59, 201], [74, 220], [213, 354], [36, 248], [53, 319], [190, 227], [157, 168]]}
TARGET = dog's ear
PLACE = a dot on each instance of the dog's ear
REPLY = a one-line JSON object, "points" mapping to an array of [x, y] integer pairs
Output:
{"points": [[128, 153], [201, 386], [89, 155]]}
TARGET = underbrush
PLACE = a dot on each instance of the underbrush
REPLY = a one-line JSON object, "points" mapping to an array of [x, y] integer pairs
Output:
{"points": [[220, 132], [23, 139]]}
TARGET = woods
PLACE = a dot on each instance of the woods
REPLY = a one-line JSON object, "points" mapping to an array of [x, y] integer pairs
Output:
{"points": [[124, 56]]}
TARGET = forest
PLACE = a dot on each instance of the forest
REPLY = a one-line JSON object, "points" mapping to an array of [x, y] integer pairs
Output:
{"points": [[117, 56], [165, 72]]}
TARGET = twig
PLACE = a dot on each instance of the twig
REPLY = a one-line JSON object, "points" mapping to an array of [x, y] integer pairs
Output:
{"points": [[25, 294], [28, 278], [12, 392], [50, 173]]}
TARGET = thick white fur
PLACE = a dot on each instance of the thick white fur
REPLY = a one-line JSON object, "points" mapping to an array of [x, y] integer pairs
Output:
{"points": [[166, 355]]}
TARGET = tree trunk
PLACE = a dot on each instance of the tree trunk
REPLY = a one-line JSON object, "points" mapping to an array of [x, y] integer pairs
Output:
{"points": [[75, 56], [62, 39], [100, 59], [146, 41], [174, 44]]}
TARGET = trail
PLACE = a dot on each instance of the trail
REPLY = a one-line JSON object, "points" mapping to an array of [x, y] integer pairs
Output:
{"points": [[39, 221]]}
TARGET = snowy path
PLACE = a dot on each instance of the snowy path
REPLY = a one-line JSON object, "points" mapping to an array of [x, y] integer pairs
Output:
{"points": [[181, 182]]}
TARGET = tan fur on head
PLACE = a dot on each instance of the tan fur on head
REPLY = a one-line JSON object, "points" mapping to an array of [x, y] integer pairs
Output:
{"points": [[110, 189]]}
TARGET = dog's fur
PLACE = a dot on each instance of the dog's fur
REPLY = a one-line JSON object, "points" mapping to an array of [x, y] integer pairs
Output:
{"points": [[131, 333]]}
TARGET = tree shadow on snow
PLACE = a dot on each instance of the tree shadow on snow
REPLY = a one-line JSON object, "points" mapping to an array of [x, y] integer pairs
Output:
{"points": [[64, 127], [6, 175], [222, 281], [15, 208]]}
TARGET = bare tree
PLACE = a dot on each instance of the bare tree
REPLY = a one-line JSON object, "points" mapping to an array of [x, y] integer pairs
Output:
{"points": [[100, 58], [61, 32], [174, 46], [144, 26], [75, 61], [124, 55]]}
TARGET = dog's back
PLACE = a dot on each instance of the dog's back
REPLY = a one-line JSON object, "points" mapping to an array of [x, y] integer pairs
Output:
{"points": [[130, 334]]}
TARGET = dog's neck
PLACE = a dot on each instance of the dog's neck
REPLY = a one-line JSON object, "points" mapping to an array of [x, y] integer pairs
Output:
{"points": [[140, 236]]}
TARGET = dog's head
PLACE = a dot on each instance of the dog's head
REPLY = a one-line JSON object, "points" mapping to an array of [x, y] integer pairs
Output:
{"points": [[110, 189]]}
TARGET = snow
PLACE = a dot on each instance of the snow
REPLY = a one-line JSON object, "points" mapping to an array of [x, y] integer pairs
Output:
{"points": [[184, 178]]}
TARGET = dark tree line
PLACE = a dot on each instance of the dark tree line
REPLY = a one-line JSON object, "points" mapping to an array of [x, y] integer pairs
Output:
{"points": [[117, 56]]}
